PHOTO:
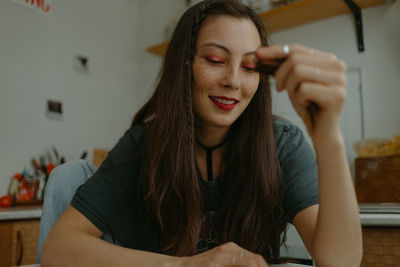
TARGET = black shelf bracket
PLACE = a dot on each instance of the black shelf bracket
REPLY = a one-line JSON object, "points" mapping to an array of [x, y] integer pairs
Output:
{"points": [[356, 10]]}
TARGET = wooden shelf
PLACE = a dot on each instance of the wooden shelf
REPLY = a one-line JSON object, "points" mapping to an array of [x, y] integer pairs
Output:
{"points": [[295, 14], [307, 11], [159, 49]]}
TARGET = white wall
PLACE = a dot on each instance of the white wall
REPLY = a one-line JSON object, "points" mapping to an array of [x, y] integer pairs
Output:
{"points": [[36, 64], [153, 17]]}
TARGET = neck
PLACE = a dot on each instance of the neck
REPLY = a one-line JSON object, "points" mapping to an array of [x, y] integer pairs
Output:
{"points": [[209, 162], [211, 136]]}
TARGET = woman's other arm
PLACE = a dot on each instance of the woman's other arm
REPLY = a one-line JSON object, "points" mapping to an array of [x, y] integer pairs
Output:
{"points": [[75, 241], [338, 220], [331, 230]]}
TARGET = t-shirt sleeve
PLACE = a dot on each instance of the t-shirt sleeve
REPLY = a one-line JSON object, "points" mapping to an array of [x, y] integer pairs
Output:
{"points": [[107, 197], [299, 169]]}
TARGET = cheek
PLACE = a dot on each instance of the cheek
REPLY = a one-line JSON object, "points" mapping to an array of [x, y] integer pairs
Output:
{"points": [[251, 86], [200, 86], [199, 78], [204, 76]]}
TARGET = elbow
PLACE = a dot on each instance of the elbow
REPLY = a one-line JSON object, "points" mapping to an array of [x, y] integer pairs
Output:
{"points": [[351, 258], [349, 254]]}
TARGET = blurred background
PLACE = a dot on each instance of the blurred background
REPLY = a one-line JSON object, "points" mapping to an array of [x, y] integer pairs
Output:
{"points": [[73, 73]]}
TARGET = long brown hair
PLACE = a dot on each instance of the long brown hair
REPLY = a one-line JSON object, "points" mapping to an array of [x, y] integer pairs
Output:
{"points": [[252, 187]]}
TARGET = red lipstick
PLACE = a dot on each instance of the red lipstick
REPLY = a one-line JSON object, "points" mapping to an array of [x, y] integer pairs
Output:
{"points": [[217, 100]]}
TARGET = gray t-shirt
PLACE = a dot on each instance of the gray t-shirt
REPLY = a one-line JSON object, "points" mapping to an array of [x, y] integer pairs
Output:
{"points": [[112, 199], [299, 168]]}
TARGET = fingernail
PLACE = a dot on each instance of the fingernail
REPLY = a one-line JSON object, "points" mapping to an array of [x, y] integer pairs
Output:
{"points": [[261, 50]]}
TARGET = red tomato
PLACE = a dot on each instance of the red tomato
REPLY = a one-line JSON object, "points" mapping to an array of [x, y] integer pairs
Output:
{"points": [[5, 201]]}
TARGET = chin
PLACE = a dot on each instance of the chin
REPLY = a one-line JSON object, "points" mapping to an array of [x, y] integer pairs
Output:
{"points": [[222, 123], [217, 121]]}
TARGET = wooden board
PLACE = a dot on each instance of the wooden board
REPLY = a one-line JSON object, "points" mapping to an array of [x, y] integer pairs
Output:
{"points": [[381, 247], [306, 11], [5, 243], [99, 155], [378, 179], [29, 230], [159, 49], [18, 242]]}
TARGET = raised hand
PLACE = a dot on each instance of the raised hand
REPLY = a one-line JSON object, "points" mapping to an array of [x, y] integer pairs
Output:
{"points": [[316, 84]]}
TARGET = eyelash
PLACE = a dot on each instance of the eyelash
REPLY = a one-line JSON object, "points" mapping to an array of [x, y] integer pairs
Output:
{"points": [[214, 61], [249, 69]]}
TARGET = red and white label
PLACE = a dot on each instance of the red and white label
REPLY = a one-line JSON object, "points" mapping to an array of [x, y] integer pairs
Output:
{"points": [[42, 6]]}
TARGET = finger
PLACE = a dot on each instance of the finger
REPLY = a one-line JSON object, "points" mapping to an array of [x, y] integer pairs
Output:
{"points": [[247, 258], [230, 254], [325, 97], [296, 105], [242, 259], [301, 106], [252, 259], [323, 63], [277, 52], [260, 260], [303, 73], [315, 101], [234, 255]]}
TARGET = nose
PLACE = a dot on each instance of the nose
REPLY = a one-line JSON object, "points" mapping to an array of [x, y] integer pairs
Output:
{"points": [[232, 80]]}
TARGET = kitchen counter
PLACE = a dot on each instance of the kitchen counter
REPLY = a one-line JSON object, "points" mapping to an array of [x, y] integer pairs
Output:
{"points": [[35, 212], [21, 212], [385, 219], [273, 265], [385, 214]]}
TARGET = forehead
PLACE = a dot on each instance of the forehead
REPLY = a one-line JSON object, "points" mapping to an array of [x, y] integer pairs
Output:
{"points": [[237, 34]]}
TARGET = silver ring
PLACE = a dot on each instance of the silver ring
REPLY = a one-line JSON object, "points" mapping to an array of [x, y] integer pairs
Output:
{"points": [[311, 52], [233, 259], [286, 50], [241, 254]]}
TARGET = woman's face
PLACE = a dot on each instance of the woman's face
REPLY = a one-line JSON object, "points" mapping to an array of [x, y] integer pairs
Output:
{"points": [[223, 70]]}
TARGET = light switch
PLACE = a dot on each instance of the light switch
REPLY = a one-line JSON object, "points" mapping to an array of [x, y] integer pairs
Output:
{"points": [[54, 109]]}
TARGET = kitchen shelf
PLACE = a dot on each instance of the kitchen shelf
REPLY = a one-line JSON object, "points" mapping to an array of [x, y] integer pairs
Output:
{"points": [[295, 14]]}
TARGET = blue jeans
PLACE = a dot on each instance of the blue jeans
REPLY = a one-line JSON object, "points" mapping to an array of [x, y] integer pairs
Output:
{"points": [[60, 188]]}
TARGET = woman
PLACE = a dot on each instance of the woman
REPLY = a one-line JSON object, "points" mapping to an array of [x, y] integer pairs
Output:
{"points": [[206, 176]]}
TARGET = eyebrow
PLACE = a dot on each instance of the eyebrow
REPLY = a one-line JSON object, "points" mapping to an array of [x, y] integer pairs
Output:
{"points": [[224, 48]]}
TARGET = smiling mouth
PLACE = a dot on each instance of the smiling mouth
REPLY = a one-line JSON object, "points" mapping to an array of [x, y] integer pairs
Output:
{"points": [[224, 101]]}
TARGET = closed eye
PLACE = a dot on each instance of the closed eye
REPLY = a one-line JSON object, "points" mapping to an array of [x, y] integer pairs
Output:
{"points": [[249, 68], [214, 61]]}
